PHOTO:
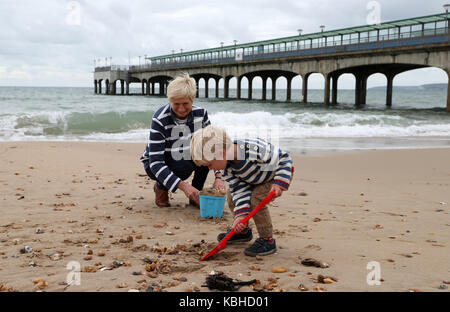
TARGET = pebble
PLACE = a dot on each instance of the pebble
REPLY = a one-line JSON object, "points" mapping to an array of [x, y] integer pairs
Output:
{"points": [[39, 231], [314, 262], [26, 249], [443, 287]]}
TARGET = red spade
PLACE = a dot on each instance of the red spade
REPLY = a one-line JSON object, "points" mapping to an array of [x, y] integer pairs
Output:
{"points": [[223, 242]]}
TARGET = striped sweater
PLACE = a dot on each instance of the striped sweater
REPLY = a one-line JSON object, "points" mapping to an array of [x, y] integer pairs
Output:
{"points": [[170, 140], [258, 162]]}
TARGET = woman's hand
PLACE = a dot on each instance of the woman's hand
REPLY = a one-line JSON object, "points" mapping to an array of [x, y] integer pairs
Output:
{"points": [[237, 226], [190, 191], [219, 185]]}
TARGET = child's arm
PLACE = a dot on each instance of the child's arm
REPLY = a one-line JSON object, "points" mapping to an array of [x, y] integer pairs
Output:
{"points": [[241, 193], [283, 173], [279, 162]]}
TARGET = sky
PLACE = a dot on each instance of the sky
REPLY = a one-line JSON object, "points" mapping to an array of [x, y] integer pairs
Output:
{"points": [[55, 42]]}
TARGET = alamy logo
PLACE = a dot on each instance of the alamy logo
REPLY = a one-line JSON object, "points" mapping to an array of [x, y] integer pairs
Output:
{"points": [[74, 276], [374, 16], [73, 17], [374, 276]]}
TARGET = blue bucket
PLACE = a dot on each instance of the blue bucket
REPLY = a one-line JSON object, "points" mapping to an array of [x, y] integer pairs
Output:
{"points": [[211, 206]]}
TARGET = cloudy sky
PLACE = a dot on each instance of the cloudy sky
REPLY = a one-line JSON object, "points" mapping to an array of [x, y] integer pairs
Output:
{"points": [[55, 42]]}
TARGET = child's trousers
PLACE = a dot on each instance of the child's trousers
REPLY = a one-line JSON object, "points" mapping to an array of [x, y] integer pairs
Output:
{"points": [[262, 218]]}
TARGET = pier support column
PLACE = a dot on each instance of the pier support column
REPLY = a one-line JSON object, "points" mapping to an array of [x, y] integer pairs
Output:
{"points": [[153, 88], [127, 86], [226, 88], [217, 87], [274, 88], [305, 89], [122, 87], [107, 87], [363, 89], [147, 88], [390, 80], [264, 88], [100, 87], [114, 87], [95, 86], [143, 87], [448, 93], [206, 87], [288, 89], [197, 80], [358, 90], [238, 88], [161, 88], [326, 95], [334, 92], [250, 88]]}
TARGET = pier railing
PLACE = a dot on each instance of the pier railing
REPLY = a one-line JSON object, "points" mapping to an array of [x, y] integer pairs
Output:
{"points": [[339, 41]]}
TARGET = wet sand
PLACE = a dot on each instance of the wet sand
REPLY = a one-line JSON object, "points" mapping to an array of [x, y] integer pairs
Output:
{"points": [[91, 204]]}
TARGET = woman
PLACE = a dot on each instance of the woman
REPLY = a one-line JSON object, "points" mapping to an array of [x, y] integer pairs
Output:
{"points": [[167, 157]]}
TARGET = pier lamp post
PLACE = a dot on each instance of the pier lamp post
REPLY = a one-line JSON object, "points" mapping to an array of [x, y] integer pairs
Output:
{"points": [[299, 35], [221, 52], [446, 8], [322, 27], [106, 61], [139, 60], [110, 61]]}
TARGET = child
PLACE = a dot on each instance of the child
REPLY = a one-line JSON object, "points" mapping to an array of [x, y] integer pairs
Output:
{"points": [[252, 168]]}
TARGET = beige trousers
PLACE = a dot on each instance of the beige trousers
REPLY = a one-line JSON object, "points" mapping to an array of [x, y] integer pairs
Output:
{"points": [[262, 218]]}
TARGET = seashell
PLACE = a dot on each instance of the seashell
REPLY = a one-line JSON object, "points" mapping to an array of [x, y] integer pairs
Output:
{"points": [[319, 288], [279, 269], [101, 253], [89, 269], [302, 287]]}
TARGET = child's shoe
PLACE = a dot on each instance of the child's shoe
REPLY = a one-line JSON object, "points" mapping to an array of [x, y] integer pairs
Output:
{"points": [[261, 247], [244, 236]]}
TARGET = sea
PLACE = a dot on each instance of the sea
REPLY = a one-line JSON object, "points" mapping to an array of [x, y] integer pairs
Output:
{"points": [[417, 118]]}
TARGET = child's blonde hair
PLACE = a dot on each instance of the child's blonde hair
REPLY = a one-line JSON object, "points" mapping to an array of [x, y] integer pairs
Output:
{"points": [[181, 87], [208, 144]]}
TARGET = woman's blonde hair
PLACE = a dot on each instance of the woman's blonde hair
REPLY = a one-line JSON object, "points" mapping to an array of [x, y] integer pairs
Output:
{"points": [[208, 144], [181, 87]]}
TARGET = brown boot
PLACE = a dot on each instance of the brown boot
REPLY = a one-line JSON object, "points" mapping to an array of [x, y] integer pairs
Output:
{"points": [[161, 197]]}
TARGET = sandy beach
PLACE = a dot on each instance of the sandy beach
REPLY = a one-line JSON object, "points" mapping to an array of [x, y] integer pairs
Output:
{"points": [[92, 204]]}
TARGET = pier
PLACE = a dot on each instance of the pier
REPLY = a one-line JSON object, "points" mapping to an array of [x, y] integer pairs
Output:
{"points": [[389, 48]]}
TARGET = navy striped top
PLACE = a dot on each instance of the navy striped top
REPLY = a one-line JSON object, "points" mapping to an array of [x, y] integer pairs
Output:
{"points": [[170, 140], [258, 162]]}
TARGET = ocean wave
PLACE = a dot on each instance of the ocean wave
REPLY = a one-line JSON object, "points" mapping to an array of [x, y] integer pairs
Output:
{"points": [[134, 125]]}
